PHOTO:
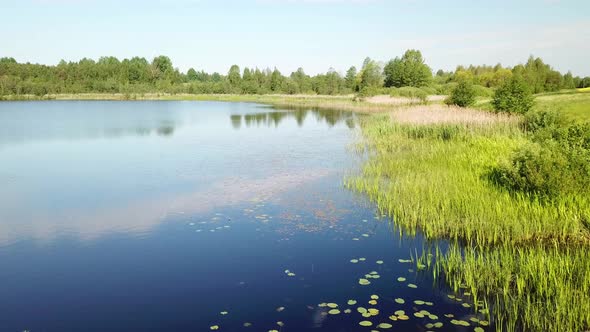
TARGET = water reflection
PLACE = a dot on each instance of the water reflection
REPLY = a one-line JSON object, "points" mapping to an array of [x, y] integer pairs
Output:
{"points": [[60, 178], [275, 118]]}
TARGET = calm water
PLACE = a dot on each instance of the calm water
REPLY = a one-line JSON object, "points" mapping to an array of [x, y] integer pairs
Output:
{"points": [[159, 216]]}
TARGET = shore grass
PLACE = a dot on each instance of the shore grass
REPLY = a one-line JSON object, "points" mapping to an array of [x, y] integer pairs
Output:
{"points": [[341, 103], [528, 259]]}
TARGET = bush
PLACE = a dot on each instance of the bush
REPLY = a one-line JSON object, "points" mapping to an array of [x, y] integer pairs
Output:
{"points": [[536, 121], [514, 96], [557, 162], [463, 95]]}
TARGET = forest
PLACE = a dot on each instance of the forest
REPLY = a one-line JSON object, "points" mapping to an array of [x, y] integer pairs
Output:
{"points": [[138, 75]]}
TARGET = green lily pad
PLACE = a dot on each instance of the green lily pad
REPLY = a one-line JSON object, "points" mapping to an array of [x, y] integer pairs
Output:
{"points": [[365, 323], [401, 279], [351, 302], [400, 301], [364, 282], [412, 286], [379, 262], [384, 326], [334, 312]]}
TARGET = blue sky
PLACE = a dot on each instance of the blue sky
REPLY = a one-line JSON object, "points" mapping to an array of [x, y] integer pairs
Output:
{"points": [[314, 34]]}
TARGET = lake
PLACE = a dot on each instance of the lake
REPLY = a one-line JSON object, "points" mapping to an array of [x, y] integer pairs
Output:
{"points": [[191, 216]]}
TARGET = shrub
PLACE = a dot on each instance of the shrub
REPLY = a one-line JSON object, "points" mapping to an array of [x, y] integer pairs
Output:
{"points": [[557, 162], [463, 95], [514, 96], [535, 121]]}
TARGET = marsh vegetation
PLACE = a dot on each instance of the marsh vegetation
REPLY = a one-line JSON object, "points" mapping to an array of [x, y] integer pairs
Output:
{"points": [[510, 192]]}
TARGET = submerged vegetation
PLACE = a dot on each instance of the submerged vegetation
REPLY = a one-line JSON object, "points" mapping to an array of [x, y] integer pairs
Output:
{"points": [[511, 194]]}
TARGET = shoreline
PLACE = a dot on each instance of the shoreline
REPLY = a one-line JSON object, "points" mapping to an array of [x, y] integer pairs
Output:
{"points": [[376, 104]]}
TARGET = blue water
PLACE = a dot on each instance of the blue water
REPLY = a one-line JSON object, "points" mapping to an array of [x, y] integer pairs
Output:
{"points": [[160, 215]]}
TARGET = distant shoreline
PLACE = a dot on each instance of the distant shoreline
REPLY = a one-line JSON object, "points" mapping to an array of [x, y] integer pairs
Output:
{"points": [[340, 102]]}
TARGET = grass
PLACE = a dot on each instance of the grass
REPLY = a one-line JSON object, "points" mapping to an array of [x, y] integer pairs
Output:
{"points": [[576, 106], [528, 259]]}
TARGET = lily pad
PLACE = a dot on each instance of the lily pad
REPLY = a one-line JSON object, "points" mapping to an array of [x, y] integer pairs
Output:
{"points": [[400, 313], [384, 326], [373, 302], [364, 282], [332, 305], [373, 312], [365, 323], [334, 312], [379, 262], [401, 279], [412, 286], [374, 297], [351, 302], [400, 301], [418, 302], [459, 322], [354, 261], [224, 312], [214, 327]]}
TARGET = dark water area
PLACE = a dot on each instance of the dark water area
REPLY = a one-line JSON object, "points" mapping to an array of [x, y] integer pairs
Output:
{"points": [[187, 216]]}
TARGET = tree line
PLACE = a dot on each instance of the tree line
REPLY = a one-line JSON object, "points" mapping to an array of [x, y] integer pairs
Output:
{"points": [[138, 75]]}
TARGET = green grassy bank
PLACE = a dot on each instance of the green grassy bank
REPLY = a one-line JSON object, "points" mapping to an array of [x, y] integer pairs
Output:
{"points": [[525, 259]]}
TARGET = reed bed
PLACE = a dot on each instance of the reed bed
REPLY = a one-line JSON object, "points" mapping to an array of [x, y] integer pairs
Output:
{"points": [[528, 258]]}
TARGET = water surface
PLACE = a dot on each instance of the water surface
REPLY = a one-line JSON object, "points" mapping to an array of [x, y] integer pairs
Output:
{"points": [[162, 215]]}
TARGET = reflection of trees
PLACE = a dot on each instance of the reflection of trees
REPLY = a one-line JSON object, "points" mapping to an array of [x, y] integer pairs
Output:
{"points": [[274, 118], [166, 130], [236, 121]]}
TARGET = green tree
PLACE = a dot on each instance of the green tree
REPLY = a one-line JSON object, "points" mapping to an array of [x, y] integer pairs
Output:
{"points": [[514, 96], [192, 75], [409, 70], [276, 81], [233, 76], [370, 75], [351, 79], [462, 95], [568, 81]]}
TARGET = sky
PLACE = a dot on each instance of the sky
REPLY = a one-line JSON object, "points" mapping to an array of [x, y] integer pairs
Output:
{"points": [[314, 34]]}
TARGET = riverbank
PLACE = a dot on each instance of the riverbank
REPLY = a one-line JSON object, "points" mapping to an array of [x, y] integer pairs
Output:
{"points": [[347, 102], [523, 259]]}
